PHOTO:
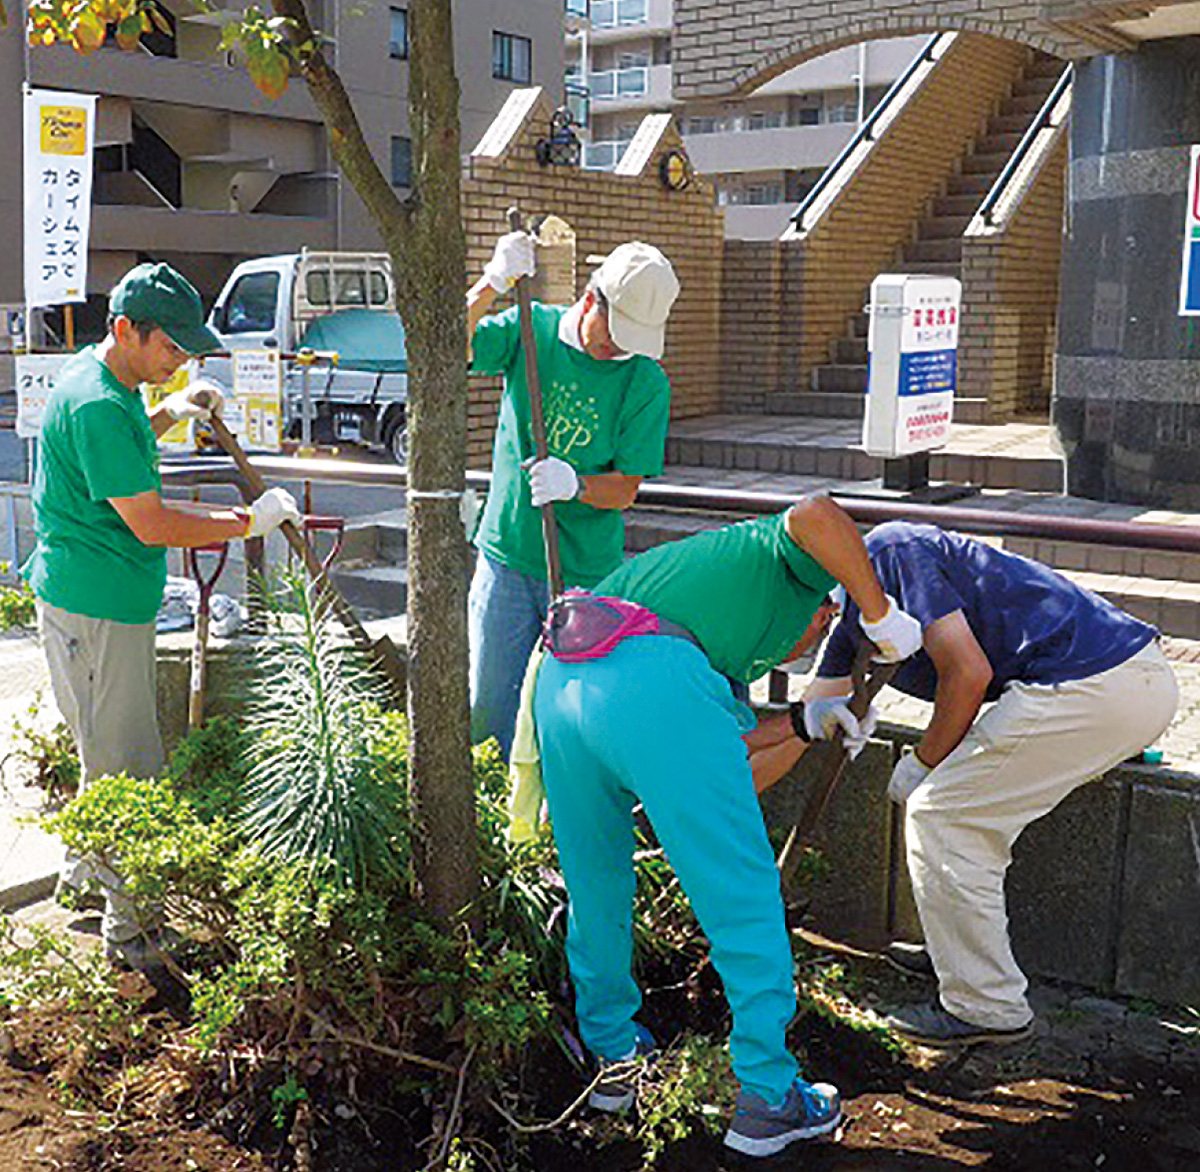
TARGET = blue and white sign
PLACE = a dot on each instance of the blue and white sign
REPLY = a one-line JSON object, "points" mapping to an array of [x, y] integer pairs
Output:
{"points": [[913, 345], [1189, 281]]}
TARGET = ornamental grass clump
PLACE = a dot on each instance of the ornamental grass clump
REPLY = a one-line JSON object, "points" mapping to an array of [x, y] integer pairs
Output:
{"points": [[315, 793]]}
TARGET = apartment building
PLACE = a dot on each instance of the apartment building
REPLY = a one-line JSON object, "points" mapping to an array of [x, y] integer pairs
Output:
{"points": [[761, 152], [195, 167]]}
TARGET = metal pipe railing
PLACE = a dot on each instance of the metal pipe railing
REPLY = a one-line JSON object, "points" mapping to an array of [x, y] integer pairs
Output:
{"points": [[1041, 122], [979, 522]]}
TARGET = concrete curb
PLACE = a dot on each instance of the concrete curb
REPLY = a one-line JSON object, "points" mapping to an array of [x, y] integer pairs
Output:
{"points": [[28, 891]]}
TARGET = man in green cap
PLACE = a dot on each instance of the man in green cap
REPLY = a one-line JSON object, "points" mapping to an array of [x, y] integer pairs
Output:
{"points": [[100, 564]]}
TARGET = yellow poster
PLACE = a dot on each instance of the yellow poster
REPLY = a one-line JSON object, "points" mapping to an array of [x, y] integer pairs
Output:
{"points": [[64, 130], [178, 435]]}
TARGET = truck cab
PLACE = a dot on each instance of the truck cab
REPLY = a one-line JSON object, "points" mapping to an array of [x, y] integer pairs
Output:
{"points": [[273, 302]]}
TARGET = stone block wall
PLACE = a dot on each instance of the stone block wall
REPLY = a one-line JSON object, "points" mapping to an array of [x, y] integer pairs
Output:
{"points": [[1010, 298], [603, 210], [755, 320]]}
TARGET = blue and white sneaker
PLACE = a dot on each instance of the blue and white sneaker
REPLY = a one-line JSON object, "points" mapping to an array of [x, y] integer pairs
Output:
{"points": [[809, 1110], [617, 1086]]}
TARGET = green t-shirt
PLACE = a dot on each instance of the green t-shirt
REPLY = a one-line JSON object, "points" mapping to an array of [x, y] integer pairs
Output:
{"points": [[96, 443], [746, 591], [601, 416]]}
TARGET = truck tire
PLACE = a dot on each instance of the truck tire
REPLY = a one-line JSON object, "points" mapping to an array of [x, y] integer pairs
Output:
{"points": [[395, 438]]}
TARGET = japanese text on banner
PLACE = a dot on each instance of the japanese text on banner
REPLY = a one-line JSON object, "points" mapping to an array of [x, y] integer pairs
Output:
{"points": [[59, 134]]}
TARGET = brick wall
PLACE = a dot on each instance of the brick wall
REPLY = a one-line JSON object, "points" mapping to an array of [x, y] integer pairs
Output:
{"points": [[720, 47], [755, 317], [602, 210], [1010, 298]]}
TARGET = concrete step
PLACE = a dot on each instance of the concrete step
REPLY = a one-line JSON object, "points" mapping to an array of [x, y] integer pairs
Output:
{"points": [[941, 226], [930, 268], [821, 404], [848, 351], [947, 206], [991, 163], [781, 444], [840, 378], [859, 323], [379, 537], [940, 251], [970, 410], [1163, 567], [1032, 84], [1000, 142], [1015, 122], [1023, 104], [968, 185], [374, 591]]}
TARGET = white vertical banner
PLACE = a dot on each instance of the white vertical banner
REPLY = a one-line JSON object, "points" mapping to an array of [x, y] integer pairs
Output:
{"points": [[59, 135]]}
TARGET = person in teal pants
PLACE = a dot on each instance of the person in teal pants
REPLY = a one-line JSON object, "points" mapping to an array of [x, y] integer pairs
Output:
{"points": [[655, 721]]}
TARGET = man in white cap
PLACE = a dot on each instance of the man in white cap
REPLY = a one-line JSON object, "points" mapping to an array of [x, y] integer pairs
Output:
{"points": [[606, 401]]}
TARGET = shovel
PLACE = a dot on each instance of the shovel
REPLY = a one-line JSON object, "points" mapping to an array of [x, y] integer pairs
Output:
{"points": [[382, 650], [203, 616]]}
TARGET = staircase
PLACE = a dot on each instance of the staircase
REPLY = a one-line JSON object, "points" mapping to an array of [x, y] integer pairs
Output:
{"points": [[936, 250]]}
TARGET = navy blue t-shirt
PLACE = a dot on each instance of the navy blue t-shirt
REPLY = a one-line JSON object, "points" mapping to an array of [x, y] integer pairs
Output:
{"points": [[1033, 625]]}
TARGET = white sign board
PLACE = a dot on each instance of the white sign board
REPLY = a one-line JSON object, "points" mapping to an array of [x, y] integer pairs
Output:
{"points": [[913, 344], [1189, 280], [59, 135], [256, 416], [35, 377]]}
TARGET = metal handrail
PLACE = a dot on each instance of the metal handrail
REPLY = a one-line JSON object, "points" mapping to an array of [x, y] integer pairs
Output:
{"points": [[866, 131], [1041, 122], [981, 522]]}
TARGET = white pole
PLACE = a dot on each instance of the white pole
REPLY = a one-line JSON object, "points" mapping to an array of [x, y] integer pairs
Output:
{"points": [[862, 81]]}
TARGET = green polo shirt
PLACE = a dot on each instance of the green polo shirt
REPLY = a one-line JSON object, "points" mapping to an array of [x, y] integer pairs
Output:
{"points": [[601, 416], [747, 592], [96, 443]]}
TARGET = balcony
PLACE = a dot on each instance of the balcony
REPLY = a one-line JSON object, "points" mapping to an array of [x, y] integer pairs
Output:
{"points": [[616, 20], [145, 229], [642, 86], [790, 147]]}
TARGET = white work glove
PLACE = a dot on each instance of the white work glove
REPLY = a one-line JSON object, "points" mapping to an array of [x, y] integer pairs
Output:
{"points": [[552, 479], [822, 717], [200, 399], [866, 728], [514, 257], [910, 772], [275, 506], [897, 635]]}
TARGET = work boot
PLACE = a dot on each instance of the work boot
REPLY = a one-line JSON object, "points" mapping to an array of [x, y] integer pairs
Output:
{"points": [[910, 959], [808, 1110]]}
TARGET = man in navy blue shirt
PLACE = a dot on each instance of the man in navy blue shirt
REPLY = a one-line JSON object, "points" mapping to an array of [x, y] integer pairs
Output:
{"points": [[1078, 687]]}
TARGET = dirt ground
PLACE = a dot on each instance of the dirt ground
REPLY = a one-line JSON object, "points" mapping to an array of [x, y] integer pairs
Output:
{"points": [[1102, 1085]]}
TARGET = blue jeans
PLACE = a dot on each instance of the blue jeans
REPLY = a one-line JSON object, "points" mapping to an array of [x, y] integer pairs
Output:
{"points": [[506, 610]]}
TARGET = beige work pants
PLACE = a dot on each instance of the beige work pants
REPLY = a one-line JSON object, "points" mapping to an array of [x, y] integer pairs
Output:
{"points": [[1018, 761], [103, 677]]}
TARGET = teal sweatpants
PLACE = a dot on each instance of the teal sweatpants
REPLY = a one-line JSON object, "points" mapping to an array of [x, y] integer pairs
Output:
{"points": [[653, 722]]}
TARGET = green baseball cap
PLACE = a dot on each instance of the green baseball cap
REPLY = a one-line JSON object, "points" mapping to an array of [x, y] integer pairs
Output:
{"points": [[155, 294]]}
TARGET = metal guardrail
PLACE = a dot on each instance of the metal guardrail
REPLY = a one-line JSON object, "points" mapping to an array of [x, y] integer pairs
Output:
{"points": [[866, 132], [978, 522], [1041, 122]]}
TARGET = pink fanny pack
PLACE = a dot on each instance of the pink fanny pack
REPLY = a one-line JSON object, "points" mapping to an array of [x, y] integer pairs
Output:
{"points": [[581, 625]]}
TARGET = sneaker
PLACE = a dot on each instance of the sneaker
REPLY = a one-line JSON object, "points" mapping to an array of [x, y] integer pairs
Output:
{"points": [[910, 959], [809, 1110], [934, 1026], [616, 1088]]}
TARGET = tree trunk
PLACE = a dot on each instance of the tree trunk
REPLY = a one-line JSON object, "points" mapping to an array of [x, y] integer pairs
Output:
{"points": [[426, 242], [432, 279]]}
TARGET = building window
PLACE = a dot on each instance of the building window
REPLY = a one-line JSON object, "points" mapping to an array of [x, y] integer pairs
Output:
{"points": [[401, 161], [512, 58], [398, 33]]}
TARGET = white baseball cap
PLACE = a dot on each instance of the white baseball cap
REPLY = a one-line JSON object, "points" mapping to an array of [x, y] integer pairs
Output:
{"points": [[640, 287]]}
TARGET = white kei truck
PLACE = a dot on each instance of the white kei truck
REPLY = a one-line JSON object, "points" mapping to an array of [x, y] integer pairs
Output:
{"points": [[341, 302]]}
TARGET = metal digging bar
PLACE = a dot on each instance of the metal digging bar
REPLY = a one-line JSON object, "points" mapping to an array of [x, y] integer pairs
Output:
{"points": [[868, 680], [382, 650], [537, 420]]}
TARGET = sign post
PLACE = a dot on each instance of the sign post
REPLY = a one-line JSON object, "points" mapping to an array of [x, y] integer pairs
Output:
{"points": [[256, 416], [913, 346]]}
